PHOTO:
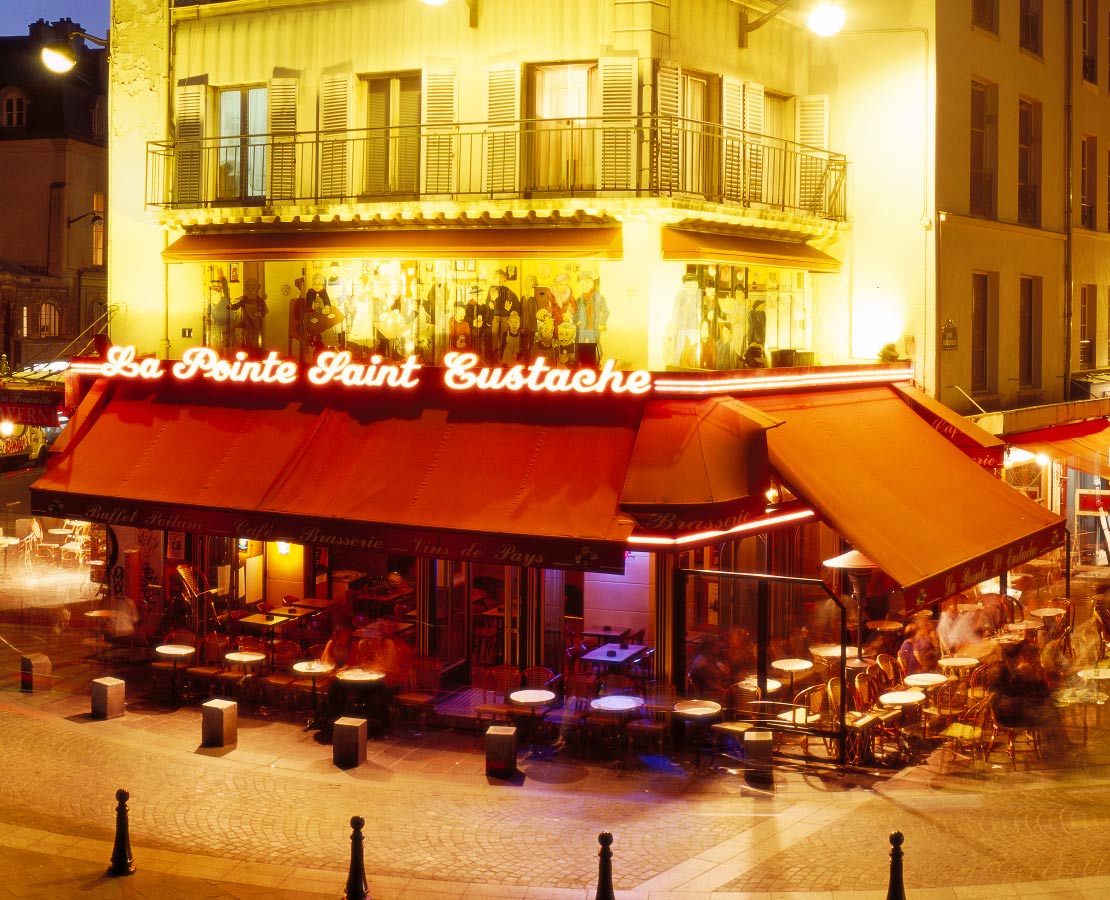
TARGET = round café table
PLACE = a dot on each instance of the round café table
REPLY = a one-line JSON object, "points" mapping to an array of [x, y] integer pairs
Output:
{"points": [[363, 682], [832, 651], [791, 666], [1096, 676], [925, 680], [773, 684], [700, 713], [959, 663], [907, 701], [532, 699], [175, 653], [98, 618], [313, 668]]}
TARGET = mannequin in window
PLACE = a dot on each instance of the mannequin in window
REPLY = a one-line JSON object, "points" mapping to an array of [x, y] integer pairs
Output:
{"points": [[505, 303], [544, 342], [253, 307], [218, 315], [458, 333], [683, 329], [591, 317]]}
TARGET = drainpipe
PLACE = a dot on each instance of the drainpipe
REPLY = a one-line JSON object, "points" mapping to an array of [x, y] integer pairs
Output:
{"points": [[166, 132], [1068, 189]]}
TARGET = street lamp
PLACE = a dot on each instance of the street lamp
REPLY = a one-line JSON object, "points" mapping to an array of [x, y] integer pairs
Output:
{"points": [[97, 218], [825, 19], [59, 56]]}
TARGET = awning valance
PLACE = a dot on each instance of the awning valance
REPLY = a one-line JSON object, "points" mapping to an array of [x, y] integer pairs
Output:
{"points": [[711, 246], [986, 449], [537, 242], [1080, 445], [929, 517]]}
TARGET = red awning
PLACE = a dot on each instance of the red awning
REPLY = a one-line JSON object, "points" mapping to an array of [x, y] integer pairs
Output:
{"points": [[986, 449], [930, 518], [698, 465], [1079, 445]]}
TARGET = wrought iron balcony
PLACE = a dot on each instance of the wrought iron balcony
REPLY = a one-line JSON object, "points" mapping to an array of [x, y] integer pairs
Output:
{"points": [[1029, 210], [982, 194], [641, 156]]}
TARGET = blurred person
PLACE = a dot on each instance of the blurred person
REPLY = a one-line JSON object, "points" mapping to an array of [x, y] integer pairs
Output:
{"points": [[709, 672], [956, 629], [739, 654], [1021, 697]]}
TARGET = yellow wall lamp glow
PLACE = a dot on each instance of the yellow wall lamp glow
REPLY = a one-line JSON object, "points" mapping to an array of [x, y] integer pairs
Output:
{"points": [[472, 4], [824, 18], [60, 57]]}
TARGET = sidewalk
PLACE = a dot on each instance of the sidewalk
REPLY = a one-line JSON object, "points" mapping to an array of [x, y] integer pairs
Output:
{"points": [[271, 816]]}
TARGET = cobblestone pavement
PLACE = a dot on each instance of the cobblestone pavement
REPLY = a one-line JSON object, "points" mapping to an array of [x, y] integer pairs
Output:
{"points": [[273, 814]]}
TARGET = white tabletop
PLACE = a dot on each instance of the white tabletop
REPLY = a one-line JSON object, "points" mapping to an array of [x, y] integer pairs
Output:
{"points": [[792, 665], [902, 698], [697, 707], [532, 696], [313, 667], [613, 653], [958, 662], [1047, 612], [925, 679], [356, 674], [174, 650], [1095, 674], [884, 625], [829, 651], [244, 657], [616, 703], [773, 684], [1025, 625]]}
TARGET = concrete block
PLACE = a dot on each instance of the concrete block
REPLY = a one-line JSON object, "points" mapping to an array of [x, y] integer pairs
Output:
{"points": [[35, 671], [108, 697], [219, 725], [501, 751], [758, 746], [348, 742]]}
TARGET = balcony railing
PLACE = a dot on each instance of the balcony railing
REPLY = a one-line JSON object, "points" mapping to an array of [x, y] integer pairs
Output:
{"points": [[1028, 208], [1090, 69], [981, 200], [1087, 214], [605, 157]]}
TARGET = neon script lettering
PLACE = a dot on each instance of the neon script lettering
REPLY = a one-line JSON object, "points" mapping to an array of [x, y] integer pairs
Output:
{"points": [[463, 374], [206, 362], [336, 366], [120, 362]]}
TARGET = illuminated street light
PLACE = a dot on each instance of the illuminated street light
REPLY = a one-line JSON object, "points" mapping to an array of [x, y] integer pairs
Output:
{"points": [[825, 19], [59, 56]]}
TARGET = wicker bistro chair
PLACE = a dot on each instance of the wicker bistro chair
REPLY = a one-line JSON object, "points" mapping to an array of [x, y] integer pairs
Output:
{"points": [[972, 735], [421, 692], [739, 710], [277, 685], [203, 677], [579, 689], [607, 726], [497, 684], [659, 700]]}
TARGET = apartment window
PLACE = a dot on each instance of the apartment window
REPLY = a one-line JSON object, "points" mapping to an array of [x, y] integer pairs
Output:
{"points": [[984, 291], [242, 150], [1089, 38], [1029, 332], [1030, 25], [1088, 297], [98, 235], [48, 320], [563, 98], [1088, 171], [984, 148], [1029, 162], [984, 14], [15, 110], [393, 133]]}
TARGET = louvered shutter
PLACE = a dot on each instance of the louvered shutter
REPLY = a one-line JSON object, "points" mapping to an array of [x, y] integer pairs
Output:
{"points": [[335, 96], [668, 143], [283, 138], [812, 130], [732, 146], [753, 126], [189, 171], [503, 136], [440, 129], [377, 136], [618, 111], [407, 145]]}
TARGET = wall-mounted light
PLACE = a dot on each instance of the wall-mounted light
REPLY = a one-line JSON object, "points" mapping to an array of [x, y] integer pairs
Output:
{"points": [[7, 429], [243, 543], [97, 217], [283, 546], [59, 56], [824, 18], [434, 2]]}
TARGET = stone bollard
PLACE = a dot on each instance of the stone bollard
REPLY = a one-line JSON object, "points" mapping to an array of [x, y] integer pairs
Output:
{"points": [[896, 890], [219, 723], [604, 867], [356, 876], [122, 863], [34, 672], [107, 697]]}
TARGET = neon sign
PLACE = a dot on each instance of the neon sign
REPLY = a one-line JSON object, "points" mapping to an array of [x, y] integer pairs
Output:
{"points": [[461, 372]]}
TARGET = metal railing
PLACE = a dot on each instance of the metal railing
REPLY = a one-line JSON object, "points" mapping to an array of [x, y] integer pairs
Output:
{"points": [[981, 201], [639, 156], [1028, 205]]}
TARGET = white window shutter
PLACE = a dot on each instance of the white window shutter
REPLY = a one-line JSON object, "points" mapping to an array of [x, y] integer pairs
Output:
{"points": [[335, 104], [283, 138], [733, 143], [440, 132], [377, 137], [503, 141], [812, 130], [668, 113], [406, 144], [753, 140], [618, 110], [189, 171]]}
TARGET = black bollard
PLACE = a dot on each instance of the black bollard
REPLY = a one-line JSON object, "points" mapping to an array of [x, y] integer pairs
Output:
{"points": [[896, 890], [356, 877], [122, 862], [604, 867]]}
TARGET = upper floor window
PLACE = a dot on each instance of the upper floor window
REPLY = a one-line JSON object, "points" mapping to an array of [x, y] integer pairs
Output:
{"points": [[98, 242], [563, 97], [1029, 162], [241, 127], [1088, 297], [1089, 39], [984, 148], [983, 305], [49, 320], [1029, 332], [1088, 172], [14, 110], [393, 133], [984, 14], [1030, 26]]}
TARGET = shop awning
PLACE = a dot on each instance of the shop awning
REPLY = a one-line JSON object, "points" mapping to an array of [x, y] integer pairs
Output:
{"points": [[698, 465], [1079, 445], [686, 244], [929, 517], [534, 242], [986, 449]]}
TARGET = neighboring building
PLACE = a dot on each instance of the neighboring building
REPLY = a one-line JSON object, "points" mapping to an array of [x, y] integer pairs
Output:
{"points": [[54, 172], [591, 181]]}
